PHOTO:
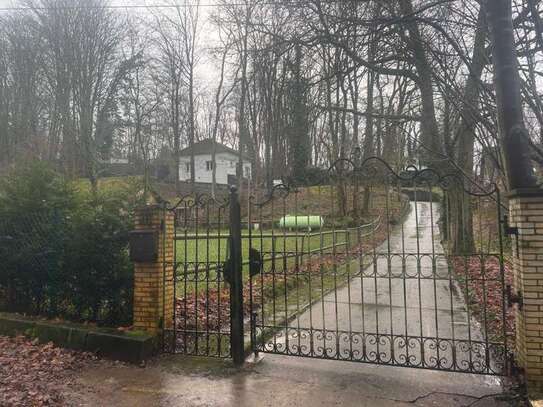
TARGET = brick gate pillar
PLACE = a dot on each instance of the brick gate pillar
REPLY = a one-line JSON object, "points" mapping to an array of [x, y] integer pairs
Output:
{"points": [[153, 279], [526, 214]]}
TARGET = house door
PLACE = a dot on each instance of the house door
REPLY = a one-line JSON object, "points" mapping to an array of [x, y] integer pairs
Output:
{"points": [[232, 180]]}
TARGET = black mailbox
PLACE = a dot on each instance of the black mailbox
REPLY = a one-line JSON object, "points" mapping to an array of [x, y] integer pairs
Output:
{"points": [[144, 246], [255, 262]]}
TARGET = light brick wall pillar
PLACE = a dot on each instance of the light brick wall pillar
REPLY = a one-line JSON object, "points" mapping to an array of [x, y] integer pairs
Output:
{"points": [[153, 282], [526, 213]]}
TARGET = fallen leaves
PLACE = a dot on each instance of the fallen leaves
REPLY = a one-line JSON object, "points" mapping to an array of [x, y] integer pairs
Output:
{"points": [[484, 286], [33, 374]]}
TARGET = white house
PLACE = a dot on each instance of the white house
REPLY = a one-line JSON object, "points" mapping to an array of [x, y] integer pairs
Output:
{"points": [[226, 160]]}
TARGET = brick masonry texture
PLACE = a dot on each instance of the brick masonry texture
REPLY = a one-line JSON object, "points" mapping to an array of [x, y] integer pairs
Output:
{"points": [[526, 213], [153, 282]]}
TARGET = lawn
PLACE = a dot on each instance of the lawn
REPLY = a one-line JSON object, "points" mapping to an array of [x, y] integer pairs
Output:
{"points": [[113, 184], [198, 255], [212, 247]]}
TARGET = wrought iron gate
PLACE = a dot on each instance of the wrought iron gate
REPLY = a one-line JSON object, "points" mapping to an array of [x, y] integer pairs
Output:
{"points": [[403, 269], [200, 324]]}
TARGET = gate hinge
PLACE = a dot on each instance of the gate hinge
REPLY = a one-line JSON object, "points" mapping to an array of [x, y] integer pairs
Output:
{"points": [[507, 229], [515, 370], [514, 298]]}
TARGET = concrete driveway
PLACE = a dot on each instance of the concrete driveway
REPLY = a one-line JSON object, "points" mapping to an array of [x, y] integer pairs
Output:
{"points": [[279, 381], [405, 309]]}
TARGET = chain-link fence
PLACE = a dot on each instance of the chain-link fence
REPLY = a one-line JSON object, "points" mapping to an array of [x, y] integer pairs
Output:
{"points": [[30, 249], [56, 266]]}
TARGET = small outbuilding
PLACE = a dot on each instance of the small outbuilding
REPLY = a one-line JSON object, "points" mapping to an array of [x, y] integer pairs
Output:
{"points": [[226, 161]]}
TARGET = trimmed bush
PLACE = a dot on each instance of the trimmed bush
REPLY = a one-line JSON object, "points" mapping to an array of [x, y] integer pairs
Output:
{"points": [[63, 251]]}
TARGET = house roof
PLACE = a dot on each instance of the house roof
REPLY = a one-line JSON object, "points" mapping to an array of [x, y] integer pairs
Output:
{"points": [[206, 147]]}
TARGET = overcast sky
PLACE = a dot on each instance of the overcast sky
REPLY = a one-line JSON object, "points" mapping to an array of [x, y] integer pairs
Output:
{"points": [[207, 69]]}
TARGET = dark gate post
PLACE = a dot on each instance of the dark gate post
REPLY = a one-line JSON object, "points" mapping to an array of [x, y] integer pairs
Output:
{"points": [[236, 286]]}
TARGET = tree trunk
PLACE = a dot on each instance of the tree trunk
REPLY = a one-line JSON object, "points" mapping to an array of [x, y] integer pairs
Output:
{"points": [[429, 129], [508, 98], [461, 208], [191, 126], [368, 149]]}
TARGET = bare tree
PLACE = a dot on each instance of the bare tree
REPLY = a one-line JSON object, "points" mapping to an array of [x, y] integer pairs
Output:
{"points": [[220, 99], [86, 68]]}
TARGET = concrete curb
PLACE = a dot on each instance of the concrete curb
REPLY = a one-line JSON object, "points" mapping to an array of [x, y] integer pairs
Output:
{"points": [[126, 347]]}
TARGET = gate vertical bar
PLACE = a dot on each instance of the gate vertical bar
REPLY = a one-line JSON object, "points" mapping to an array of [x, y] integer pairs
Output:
{"points": [[236, 287]]}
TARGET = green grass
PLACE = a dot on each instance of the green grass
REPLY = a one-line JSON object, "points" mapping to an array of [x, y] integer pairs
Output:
{"points": [[109, 183], [211, 249]]}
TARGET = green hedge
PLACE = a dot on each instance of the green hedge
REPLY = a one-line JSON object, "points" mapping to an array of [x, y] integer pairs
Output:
{"points": [[63, 250]]}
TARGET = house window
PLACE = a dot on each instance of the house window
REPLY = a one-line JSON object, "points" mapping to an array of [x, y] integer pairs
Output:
{"points": [[187, 167], [247, 172], [209, 165]]}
